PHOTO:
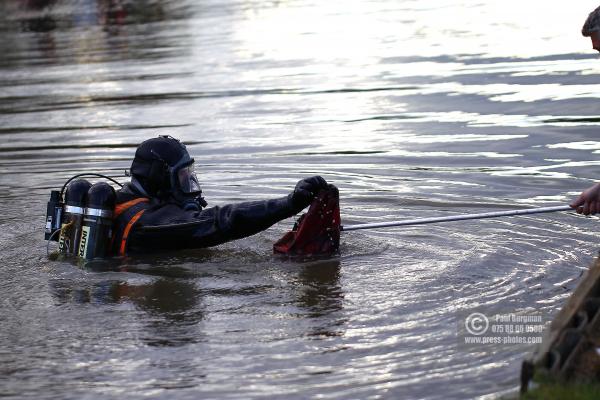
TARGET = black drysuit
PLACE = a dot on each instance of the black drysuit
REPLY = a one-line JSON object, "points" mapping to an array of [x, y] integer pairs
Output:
{"points": [[145, 224]]}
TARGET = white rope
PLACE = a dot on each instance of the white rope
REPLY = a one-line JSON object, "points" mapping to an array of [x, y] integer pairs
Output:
{"points": [[460, 217]]}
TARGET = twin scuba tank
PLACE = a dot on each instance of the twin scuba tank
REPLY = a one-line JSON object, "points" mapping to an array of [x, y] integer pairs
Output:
{"points": [[82, 223]]}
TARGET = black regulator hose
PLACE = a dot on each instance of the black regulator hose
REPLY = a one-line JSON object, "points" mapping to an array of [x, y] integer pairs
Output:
{"points": [[62, 191]]}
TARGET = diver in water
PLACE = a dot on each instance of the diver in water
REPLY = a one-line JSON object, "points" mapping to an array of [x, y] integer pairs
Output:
{"points": [[162, 208]]}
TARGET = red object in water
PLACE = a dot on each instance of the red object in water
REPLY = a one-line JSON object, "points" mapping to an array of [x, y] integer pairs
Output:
{"points": [[318, 231]]}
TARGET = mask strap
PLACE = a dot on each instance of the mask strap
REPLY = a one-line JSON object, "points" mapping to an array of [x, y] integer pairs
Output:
{"points": [[138, 186]]}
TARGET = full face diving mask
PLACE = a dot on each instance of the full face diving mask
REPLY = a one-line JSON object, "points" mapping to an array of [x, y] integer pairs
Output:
{"points": [[185, 186]]}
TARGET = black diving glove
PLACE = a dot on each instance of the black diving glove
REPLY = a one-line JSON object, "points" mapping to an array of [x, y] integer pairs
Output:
{"points": [[305, 191]]}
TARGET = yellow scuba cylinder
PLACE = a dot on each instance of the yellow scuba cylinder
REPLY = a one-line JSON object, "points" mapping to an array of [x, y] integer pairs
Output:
{"points": [[70, 231], [96, 230]]}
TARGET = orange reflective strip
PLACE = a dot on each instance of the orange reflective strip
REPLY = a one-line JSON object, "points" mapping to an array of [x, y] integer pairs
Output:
{"points": [[120, 208], [126, 232]]}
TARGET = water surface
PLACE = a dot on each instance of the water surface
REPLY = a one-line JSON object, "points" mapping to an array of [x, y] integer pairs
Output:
{"points": [[412, 108]]}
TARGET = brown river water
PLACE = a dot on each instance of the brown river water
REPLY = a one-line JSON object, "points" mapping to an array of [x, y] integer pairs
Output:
{"points": [[412, 108]]}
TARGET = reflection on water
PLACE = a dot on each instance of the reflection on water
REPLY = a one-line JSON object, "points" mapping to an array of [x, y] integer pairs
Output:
{"points": [[104, 30], [412, 108], [173, 297], [172, 305]]}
